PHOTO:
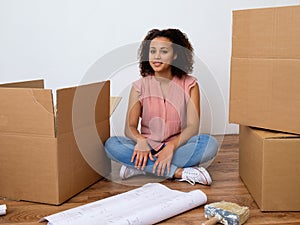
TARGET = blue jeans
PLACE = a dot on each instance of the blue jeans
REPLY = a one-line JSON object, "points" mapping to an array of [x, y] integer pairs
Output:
{"points": [[199, 149]]}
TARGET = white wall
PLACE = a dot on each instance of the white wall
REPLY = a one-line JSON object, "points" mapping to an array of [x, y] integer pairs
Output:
{"points": [[68, 42]]}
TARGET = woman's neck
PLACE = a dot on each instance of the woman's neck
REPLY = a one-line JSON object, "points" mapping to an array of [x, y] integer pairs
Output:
{"points": [[165, 75]]}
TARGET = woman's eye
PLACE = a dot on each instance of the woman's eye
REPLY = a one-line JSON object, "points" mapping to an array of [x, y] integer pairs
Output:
{"points": [[152, 51], [164, 51]]}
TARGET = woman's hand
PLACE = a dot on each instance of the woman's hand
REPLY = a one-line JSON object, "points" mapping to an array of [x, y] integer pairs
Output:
{"points": [[164, 159], [141, 154]]}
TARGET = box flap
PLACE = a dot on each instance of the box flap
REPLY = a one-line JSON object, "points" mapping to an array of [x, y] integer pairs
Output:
{"points": [[82, 106], [270, 134], [25, 84], [114, 102], [266, 33], [82, 128], [26, 111]]}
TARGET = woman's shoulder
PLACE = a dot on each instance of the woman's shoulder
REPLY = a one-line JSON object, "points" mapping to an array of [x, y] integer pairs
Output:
{"points": [[140, 83], [187, 82], [189, 77]]}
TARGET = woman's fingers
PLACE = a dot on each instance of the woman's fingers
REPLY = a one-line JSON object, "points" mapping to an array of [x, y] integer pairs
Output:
{"points": [[139, 161], [133, 156], [145, 162], [169, 167], [151, 156], [154, 166], [141, 158], [160, 167]]}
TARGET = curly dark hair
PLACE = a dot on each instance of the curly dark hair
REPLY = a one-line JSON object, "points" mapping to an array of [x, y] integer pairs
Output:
{"points": [[183, 64]]}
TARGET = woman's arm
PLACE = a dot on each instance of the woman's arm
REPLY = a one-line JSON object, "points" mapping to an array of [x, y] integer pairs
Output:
{"points": [[141, 150], [133, 115]]}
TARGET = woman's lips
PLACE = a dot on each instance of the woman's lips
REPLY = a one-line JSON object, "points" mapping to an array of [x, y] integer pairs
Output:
{"points": [[157, 64]]}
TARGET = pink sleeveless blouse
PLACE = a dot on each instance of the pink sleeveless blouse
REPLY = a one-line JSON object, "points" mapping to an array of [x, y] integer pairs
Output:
{"points": [[163, 118]]}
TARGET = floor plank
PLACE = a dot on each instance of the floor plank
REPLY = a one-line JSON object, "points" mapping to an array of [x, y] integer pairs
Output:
{"points": [[226, 186]]}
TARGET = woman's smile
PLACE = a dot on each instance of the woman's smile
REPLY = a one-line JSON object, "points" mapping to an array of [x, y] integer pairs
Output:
{"points": [[161, 56], [157, 63]]}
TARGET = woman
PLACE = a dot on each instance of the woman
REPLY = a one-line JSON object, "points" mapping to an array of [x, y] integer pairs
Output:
{"points": [[165, 102]]}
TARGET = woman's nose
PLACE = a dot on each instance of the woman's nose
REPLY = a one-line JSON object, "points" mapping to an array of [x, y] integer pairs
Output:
{"points": [[157, 55]]}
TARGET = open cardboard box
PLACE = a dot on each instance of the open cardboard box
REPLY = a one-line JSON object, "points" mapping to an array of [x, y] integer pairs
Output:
{"points": [[265, 68], [48, 155], [269, 165]]}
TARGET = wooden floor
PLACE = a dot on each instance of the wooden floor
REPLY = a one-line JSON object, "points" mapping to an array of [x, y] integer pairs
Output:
{"points": [[226, 186]]}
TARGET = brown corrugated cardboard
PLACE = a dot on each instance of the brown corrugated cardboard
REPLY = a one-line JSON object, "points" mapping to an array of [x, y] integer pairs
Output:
{"points": [[265, 69], [40, 156], [269, 165], [266, 33], [25, 84], [114, 102]]}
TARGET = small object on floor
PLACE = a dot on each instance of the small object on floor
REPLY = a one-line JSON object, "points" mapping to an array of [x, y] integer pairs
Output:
{"points": [[196, 175], [226, 213], [127, 172], [3, 210]]}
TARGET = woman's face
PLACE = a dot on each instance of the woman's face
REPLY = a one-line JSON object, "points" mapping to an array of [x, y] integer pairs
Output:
{"points": [[161, 54]]}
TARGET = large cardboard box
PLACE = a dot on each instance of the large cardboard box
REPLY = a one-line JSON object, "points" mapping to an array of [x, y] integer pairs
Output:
{"points": [[265, 68], [43, 148], [269, 165]]}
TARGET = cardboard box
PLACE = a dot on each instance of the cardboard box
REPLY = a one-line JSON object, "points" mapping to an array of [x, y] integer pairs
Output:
{"points": [[269, 165], [43, 150], [265, 68]]}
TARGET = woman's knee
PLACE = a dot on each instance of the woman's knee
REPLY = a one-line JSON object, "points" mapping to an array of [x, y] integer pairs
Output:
{"points": [[111, 143], [111, 140], [212, 144], [117, 144]]}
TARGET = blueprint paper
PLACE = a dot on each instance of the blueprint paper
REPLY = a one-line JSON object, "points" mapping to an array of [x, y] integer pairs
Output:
{"points": [[148, 204]]}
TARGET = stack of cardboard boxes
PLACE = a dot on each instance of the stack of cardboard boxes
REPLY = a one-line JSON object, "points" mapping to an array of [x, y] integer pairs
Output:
{"points": [[265, 101], [43, 148]]}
